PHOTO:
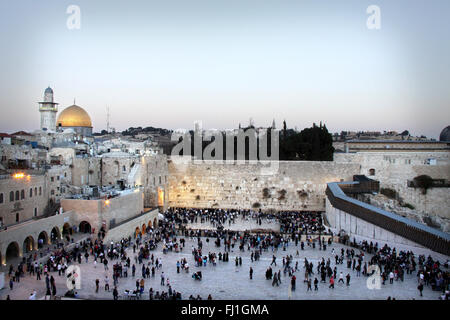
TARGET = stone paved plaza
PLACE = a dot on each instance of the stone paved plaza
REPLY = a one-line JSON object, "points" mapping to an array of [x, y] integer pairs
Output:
{"points": [[225, 280]]}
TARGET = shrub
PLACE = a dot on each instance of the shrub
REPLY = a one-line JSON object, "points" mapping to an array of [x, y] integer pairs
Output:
{"points": [[408, 205], [423, 181], [302, 193], [388, 192], [282, 194]]}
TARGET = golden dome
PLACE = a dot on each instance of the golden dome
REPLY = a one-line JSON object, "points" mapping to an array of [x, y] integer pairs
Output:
{"points": [[74, 116]]}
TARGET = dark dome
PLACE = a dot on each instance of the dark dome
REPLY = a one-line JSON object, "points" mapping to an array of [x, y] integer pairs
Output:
{"points": [[445, 134], [48, 90]]}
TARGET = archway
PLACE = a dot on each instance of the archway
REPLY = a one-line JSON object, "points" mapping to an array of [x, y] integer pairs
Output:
{"points": [[144, 229], [28, 244], [160, 197], [85, 227], [155, 223], [55, 234], [137, 232], [42, 239], [12, 251], [67, 230]]}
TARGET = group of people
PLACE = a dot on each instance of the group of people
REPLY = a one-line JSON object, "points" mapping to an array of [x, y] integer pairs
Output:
{"points": [[132, 255]]}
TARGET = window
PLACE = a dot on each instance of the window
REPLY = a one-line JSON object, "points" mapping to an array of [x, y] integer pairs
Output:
{"points": [[57, 178], [371, 172], [11, 196], [31, 192], [17, 196], [35, 191], [124, 168], [1, 197], [52, 192], [159, 179], [17, 217], [22, 194], [35, 212], [40, 191], [52, 179], [65, 174]]}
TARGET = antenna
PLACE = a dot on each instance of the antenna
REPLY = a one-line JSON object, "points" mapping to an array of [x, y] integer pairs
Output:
{"points": [[107, 119]]}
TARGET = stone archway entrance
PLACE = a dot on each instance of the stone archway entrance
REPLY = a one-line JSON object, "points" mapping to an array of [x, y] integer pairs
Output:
{"points": [[160, 197], [28, 244], [55, 235], [85, 227], [137, 232], [42, 239], [12, 251], [67, 230]]}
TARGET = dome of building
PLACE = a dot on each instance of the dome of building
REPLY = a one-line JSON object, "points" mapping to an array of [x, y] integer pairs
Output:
{"points": [[74, 116], [48, 90], [445, 134]]}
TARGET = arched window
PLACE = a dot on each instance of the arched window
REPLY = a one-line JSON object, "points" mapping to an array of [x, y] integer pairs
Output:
{"points": [[1, 197], [31, 192], [17, 195], [35, 191], [11, 196], [40, 190], [371, 172], [22, 194]]}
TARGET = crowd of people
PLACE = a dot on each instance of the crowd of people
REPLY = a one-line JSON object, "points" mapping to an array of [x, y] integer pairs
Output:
{"points": [[139, 257]]}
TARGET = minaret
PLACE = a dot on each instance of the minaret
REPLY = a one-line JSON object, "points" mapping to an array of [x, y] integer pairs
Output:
{"points": [[48, 110]]}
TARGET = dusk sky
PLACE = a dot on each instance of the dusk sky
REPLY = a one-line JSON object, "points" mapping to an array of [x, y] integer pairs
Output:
{"points": [[169, 63]]}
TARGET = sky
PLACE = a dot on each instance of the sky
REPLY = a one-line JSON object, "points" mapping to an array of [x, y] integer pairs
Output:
{"points": [[173, 62]]}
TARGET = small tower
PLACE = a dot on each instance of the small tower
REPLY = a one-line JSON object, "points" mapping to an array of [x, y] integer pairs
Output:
{"points": [[48, 110]]}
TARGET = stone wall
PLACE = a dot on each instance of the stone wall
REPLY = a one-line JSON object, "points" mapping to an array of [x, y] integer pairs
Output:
{"points": [[394, 169], [129, 228], [86, 171], [27, 207], [100, 212], [155, 179], [296, 185], [31, 230]]}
